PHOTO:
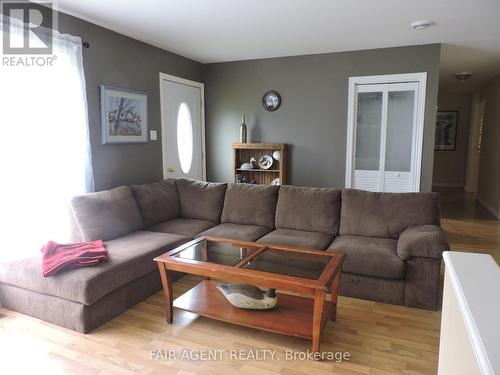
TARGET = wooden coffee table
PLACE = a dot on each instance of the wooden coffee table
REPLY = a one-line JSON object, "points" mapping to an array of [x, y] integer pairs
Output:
{"points": [[307, 272]]}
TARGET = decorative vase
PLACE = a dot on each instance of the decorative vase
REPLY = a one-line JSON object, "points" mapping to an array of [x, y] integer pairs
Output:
{"points": [[243, 130]]}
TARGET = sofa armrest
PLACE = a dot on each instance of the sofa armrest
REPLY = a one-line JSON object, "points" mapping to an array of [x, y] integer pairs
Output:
{"points": [[427, 241]]}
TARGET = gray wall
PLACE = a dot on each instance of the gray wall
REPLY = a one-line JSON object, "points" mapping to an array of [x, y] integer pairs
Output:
{"points": [[313, 116], [450, 166], [116, 60], [488, 191]]}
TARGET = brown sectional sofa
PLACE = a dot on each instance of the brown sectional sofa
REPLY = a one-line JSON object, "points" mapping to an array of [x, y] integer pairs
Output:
{"points": [[393, 243]]}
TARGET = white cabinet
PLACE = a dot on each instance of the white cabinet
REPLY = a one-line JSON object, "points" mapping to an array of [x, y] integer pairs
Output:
{"points": [[385, 127]]}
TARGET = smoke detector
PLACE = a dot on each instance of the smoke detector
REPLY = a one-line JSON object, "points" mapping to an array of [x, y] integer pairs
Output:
{"points": [[421, 25], [462, 76]]}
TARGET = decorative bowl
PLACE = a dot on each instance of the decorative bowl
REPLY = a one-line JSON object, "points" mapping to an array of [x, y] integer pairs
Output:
{"points": [[265, 162]]}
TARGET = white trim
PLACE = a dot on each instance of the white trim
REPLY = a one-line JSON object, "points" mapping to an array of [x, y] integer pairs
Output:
{"points": [[448, 184], [388, 78], [187, 82], [351, 128], [383, 137], [422, 93], [421, 80], [467, 189], [182, 81]]}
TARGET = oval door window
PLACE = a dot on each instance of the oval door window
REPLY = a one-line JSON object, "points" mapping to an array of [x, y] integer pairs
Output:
{"points": [[185, 137]]}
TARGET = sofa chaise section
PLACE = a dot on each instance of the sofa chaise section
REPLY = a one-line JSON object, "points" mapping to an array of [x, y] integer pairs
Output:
{"points": [[81, 290], [129, 257], [84, 298]]}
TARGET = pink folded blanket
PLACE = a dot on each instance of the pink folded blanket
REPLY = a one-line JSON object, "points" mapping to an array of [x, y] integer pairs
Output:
{"points": [[56, 257]]}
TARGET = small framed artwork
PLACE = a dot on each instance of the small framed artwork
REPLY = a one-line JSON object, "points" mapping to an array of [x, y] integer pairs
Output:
{"points": [[446, 131], [124, 115]]}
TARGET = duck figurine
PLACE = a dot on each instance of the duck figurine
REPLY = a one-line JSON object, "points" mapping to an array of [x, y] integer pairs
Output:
{"points": [[247, 296]]}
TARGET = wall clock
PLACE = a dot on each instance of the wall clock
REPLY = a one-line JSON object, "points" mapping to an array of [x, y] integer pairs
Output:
{"points": [[271, 100]]}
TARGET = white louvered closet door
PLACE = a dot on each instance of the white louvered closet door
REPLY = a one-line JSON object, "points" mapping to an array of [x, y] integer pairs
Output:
{"points": [[386, 139]]}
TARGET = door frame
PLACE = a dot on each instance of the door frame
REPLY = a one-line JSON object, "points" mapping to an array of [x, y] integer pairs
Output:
{"points": [[421, 79], [187, 82], [474, 146]]}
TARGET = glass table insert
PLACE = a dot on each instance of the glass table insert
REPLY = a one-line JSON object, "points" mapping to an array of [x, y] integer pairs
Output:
{"points": [[290, 263], [264, 258], [222, 253]]}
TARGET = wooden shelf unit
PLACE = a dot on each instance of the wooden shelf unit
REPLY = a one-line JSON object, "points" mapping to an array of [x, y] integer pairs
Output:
{"points": [[242, 152]]}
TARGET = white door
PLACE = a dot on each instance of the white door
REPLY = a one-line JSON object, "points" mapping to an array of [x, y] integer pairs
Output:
{"points": [[183, 133], [385, 136]]}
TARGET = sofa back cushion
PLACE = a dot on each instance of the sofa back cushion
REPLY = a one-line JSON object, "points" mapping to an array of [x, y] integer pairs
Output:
{"points": [[106, 215], [386, 214], [158, 201], [309, 209], [250, 204], [201, 200]]}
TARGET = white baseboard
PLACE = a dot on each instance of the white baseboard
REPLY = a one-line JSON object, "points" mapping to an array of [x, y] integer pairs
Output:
{"points": [[446, 184], [469, 190], [494, 211]]}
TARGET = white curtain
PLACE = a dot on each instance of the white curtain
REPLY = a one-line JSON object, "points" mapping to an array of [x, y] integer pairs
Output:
{"points": [[44, 147]]}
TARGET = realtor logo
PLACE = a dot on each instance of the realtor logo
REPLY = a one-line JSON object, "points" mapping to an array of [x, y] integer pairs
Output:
{"points": [[37, 21]]}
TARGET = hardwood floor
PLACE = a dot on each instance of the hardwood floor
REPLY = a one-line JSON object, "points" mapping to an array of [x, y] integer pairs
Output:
{"points": [[381, 338]]}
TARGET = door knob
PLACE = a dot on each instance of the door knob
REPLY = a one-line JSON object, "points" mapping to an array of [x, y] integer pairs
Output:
{"points": [[171, 170]]}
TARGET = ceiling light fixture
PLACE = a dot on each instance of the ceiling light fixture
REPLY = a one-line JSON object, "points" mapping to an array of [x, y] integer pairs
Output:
{"points": [[462, 76], [421, 25]]}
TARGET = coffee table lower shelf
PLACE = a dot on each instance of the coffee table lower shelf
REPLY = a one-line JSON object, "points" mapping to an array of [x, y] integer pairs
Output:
{"points": [[293, 316]]}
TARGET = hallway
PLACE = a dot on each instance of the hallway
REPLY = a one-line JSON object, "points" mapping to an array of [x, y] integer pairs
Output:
{"points": [[469, 226]]}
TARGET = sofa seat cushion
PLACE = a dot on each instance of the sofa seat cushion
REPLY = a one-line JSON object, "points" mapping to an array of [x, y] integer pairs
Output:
{"points": [[309, 209], [157, 201], [298, 238], [370, 256], [130, 257], [106, 215], [236, 232], [183, 227], [201, 200]]}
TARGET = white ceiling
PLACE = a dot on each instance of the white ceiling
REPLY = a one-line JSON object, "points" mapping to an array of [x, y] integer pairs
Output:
{"points": [[228, 30]]}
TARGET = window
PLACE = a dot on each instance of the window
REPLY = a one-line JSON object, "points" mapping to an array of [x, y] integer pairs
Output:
{"points": [[44, 147], [185, 138]]}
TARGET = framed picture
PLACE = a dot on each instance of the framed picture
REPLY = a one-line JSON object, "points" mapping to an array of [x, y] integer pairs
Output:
{"points": [[124, 115], [446, 131]]}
